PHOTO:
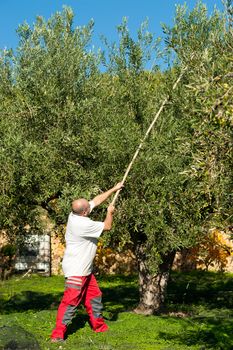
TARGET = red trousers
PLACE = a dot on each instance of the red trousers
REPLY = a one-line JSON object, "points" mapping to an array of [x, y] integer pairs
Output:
{"points": [[80, 289]]}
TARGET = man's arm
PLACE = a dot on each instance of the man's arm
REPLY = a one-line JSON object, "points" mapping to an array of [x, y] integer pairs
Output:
{"points": [[103, 196], [109, 218]]}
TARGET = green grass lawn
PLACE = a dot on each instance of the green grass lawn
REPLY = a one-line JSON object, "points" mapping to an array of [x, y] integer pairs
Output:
{"points": [[198, 313]]}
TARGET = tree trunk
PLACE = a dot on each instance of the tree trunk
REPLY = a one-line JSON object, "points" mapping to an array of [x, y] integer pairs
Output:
{"points": [[152, 288]]}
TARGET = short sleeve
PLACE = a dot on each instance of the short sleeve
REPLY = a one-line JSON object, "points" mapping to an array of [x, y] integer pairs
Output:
{"points": [[94, 229]]}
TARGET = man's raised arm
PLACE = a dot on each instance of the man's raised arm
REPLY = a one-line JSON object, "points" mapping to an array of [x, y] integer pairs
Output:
{"points": [[103, 196], [109, 218]]}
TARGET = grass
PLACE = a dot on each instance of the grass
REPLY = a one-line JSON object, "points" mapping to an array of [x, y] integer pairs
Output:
{"points": [[198, 313]]}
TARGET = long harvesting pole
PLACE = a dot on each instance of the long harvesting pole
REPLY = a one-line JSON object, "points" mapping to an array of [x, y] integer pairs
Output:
{"points": [[147, 133]]}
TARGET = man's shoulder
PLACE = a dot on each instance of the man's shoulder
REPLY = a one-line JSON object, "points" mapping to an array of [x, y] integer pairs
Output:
{"points": [[75, 219]]}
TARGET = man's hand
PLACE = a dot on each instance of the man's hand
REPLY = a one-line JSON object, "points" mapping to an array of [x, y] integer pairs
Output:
{"points": [[103, 196], [111, 209], [118, 186]]}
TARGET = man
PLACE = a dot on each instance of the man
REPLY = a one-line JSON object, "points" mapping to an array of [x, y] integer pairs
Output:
{"points": [[81, 238]]}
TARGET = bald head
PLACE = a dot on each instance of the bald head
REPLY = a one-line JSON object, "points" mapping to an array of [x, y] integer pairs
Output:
{"points": [[81, 207]]}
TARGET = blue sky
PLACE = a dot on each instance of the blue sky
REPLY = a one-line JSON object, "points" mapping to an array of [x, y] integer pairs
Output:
{"points": [[107, 14]]}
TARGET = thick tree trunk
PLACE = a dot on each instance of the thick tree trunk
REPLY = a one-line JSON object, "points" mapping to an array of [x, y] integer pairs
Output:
{"points": [[152, 288]]}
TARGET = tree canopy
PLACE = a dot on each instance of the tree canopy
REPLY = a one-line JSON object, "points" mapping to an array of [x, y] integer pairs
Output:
{"points": [[69, 128]]}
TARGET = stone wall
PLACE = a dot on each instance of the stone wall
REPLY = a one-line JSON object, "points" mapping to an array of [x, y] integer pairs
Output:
{"points": [[215, 253], [108, 261], [57, 251], [3, 239]]}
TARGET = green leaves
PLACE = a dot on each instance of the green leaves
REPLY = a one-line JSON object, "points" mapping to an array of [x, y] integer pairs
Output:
{"points": [[195, 34], [69, 130]]}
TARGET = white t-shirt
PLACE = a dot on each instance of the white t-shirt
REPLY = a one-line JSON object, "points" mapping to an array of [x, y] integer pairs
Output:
{"points": [[81, 237]]}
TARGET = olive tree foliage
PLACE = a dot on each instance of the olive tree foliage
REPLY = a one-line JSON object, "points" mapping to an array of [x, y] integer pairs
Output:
{"points": [[180, 185], [7, 132], [48, 95], [153, 215], [207, 96]]}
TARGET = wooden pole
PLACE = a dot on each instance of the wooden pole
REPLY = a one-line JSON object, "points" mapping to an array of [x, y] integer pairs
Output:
{"points": [[147, 133]]}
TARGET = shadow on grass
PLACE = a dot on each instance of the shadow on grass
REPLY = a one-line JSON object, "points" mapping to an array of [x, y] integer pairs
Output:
{"points": [[209, 333], [120, 298], [214, 290], [30, 300], [206, 296], [119, 294], [78, 322]]}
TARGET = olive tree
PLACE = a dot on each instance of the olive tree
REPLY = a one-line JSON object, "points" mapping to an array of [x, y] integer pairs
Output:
{"points": [[180, 185], [48, 93], [69, 130]]}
